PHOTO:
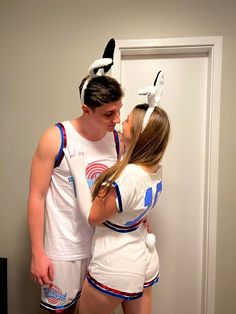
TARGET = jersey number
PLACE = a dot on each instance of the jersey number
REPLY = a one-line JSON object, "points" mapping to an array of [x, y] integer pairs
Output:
{"points": [[147, 202]]}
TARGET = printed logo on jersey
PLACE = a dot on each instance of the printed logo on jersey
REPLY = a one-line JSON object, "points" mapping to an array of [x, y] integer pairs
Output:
{"points": [[93, 171], [54, 294]]}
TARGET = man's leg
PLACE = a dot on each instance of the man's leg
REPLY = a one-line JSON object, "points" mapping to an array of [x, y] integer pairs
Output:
{"points": [[71, 310], [68, 281]]}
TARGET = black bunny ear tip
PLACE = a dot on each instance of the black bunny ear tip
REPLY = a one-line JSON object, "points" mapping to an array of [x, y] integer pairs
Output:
{"points": [[109, 53], [109, 49], [111, 41], [155, 81], [110, 45]]}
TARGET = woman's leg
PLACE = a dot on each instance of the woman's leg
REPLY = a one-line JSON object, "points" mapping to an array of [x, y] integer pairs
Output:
{"points": [[93, 301], [141, 305]]}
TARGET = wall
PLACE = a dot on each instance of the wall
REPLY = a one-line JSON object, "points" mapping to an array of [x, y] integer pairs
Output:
{"points": [[46, 48]]}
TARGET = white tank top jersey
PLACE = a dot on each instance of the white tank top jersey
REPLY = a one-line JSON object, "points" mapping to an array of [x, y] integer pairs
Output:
{"points": [[122, 264], [137, 194], [67, 236]]}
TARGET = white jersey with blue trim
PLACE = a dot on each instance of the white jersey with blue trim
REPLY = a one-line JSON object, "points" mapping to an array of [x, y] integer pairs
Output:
{"points": [[137, 193], [122, 265], [67, 236]]}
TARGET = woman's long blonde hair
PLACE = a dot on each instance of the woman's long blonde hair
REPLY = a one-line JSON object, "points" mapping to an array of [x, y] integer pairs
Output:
{"points": [[147, 147]]}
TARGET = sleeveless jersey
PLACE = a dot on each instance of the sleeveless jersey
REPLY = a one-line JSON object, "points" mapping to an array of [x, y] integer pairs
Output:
{"points": [[67, 236], [122, 264], [137, 194]]}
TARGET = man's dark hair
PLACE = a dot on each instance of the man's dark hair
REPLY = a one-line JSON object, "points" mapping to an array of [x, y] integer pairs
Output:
{"points": [[101, 90]]}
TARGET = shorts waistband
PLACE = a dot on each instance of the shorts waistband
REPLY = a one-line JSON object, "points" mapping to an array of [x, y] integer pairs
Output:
{"points": [[122, 229]]}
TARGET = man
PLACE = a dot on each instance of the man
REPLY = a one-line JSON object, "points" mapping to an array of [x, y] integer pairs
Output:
{"points": [[61, 247]]}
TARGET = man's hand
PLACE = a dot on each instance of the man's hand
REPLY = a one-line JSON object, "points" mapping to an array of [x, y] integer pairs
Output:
{"points": [[147, 225], [42, 270]]}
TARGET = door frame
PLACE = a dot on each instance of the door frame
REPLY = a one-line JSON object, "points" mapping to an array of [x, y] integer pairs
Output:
{"points": [[212, 47]]}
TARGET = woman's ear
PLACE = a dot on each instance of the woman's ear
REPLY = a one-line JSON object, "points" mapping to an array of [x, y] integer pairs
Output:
{"points": [[85, 109]]}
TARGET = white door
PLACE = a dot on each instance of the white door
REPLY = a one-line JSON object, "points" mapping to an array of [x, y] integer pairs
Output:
{"points": [[180, 221]]}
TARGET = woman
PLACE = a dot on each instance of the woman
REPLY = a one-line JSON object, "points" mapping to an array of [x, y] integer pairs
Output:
{"points": [[124, 264]]}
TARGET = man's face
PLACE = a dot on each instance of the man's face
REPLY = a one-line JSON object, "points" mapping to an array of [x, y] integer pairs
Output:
{"points": [[105, 118]]}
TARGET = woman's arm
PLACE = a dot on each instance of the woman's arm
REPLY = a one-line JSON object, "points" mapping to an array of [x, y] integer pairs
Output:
{"points": [[103, 208]]}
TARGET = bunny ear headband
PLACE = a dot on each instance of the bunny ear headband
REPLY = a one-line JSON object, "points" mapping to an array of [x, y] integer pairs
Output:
{"points": [[101, 66], [153, 93]]}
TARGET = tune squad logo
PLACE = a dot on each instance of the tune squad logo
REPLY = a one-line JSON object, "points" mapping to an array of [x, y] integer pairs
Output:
{"points": [[54, 294], [93, 171]]}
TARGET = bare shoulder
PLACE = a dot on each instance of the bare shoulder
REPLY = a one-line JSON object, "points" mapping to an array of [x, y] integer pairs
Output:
{"points": [[49, 143], [43, 161]]}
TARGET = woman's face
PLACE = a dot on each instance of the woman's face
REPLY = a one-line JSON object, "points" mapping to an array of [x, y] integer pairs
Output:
{"points": [[127, 136]]}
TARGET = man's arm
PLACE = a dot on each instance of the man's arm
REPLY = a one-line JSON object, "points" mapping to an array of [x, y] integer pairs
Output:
{"points": [[41, 171]]}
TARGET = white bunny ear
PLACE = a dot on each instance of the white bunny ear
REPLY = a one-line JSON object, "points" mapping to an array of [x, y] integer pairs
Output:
{"points": [[95, 69], [159, 83], [97, 66], [100, 66], [144, 91], [150, 91], [153, 93], [147, 90]]}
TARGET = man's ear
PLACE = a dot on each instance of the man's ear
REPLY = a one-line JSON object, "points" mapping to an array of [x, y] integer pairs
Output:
{"points": [[85, 109]]}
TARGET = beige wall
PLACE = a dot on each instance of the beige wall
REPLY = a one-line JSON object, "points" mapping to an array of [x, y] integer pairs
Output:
{"points": [[46, 48]]}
